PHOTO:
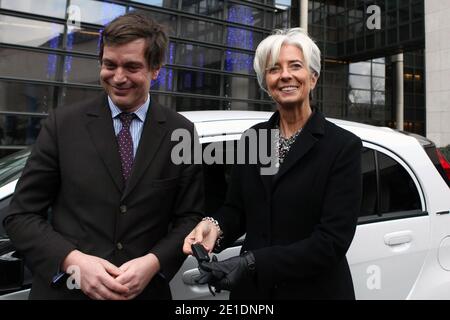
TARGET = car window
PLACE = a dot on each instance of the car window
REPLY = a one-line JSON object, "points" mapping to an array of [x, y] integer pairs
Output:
{"points": [[398, 191], [4, 203], [388, 190], [369, 201], [12, 165]]}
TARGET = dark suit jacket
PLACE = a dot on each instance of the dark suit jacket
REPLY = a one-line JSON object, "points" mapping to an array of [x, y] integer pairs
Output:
{"points": [[75, 169], [300, 222]]}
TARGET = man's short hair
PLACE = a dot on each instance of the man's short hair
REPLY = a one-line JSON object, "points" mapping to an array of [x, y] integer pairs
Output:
{"points": [[132, 26]]}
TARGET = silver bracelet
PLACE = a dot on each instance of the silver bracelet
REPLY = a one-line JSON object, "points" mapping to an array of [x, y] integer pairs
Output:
{"points": [[216, 224]]}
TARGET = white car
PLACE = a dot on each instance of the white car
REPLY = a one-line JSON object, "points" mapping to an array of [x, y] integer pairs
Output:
{"points": [[401, 249]]}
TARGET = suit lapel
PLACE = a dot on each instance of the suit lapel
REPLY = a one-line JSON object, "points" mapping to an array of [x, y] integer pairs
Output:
{"points": [[100, 127], [152, 136], [311, 132]]}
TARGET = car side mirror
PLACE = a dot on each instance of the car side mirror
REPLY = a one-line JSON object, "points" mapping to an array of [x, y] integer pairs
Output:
{"points": [[11, 268]]}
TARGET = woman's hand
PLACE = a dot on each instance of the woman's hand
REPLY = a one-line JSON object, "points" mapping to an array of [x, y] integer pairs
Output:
{"points": [[205, 233]]}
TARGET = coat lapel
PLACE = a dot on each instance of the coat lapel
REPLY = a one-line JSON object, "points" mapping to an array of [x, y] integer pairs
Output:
{"points": [[267, 179], [152, 136], [311, 132], [101, 131]]}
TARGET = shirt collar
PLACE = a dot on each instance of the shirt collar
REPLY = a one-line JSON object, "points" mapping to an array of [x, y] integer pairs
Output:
{"points": [[141, 112]]}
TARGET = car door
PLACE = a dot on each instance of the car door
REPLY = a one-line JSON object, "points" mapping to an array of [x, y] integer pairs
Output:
{"points": [[393, 233], [391, 240], [15, 278]]}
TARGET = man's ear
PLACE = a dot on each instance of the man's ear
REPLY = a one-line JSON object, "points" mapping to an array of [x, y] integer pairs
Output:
{"points": [[155, 73]]}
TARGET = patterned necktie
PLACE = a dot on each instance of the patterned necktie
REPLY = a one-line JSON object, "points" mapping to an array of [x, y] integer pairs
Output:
{"points": [[126, 144]]}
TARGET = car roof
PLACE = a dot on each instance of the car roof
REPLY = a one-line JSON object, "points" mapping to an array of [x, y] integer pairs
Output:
{"points": [[229, 124], [224, 124]]}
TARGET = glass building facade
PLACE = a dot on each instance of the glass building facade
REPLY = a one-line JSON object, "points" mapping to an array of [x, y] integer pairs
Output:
{"points": [[358, 77], [49, 57]]}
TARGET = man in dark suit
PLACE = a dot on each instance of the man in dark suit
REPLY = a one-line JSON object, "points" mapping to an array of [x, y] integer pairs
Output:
{"points": [[120, 208]]}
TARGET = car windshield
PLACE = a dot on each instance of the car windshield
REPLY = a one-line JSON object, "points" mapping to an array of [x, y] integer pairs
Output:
{"points": [[11, 166]]}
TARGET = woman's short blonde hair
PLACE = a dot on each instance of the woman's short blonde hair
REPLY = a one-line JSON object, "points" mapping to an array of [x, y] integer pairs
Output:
{"points": [[269, 50]]}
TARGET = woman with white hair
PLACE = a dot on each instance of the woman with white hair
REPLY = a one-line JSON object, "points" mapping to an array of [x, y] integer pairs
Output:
{"points": [[299, 222]]}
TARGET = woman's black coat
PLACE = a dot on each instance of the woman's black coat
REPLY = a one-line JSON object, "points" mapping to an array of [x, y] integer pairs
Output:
{"points": [[300, 222]]}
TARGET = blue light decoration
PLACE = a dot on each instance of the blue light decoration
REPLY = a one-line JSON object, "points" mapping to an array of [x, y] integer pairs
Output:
{"points": [[239, 38], [170, 72], [53, 58], [165, 77], [68, 59], [99, 40], [201, 63]]}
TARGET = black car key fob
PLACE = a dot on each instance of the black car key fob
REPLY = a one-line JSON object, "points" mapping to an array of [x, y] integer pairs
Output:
{"points": [[200, 253]]}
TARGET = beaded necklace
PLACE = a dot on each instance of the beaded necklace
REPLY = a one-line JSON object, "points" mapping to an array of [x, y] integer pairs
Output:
{"points": [[285, 144]]}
